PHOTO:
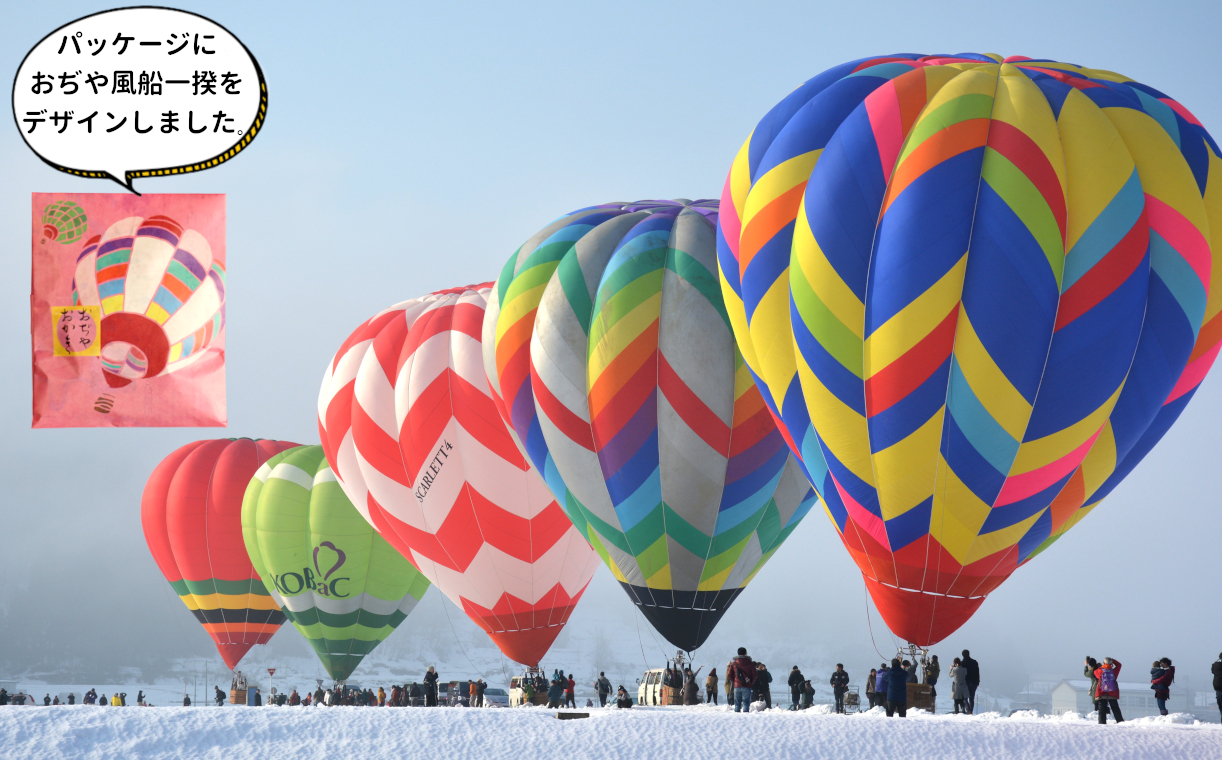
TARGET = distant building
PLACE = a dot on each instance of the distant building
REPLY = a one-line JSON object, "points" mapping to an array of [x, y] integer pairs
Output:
{"points": [[1136, 699]]}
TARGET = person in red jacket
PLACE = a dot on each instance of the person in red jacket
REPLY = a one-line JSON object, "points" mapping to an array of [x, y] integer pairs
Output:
{"points": [[1108, 694], [741, 672], [570, 699]]}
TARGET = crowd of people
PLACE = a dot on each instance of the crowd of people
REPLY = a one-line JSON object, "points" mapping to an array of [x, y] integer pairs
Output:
{"points": [[746, 682]]}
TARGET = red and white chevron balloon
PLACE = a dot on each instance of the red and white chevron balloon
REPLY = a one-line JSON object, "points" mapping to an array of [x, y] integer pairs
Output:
{"points": [[412, 433]]}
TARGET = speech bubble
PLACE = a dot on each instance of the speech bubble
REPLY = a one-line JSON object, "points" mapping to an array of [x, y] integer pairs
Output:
{"points": [[139, 92]]}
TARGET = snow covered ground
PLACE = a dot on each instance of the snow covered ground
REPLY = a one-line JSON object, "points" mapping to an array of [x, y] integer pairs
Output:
{"points": [[705, 732]]}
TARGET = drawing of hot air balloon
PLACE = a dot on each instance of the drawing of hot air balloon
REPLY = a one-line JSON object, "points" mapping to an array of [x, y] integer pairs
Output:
{"points": [[336, 580], [191, 511], [977, 292], [64, 222], [610, 354], [412, 433], [161, 292]]}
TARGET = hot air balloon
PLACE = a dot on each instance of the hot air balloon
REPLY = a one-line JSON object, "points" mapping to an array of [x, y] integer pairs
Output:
{"points": [[610, 354], [414, 438], [192, 517], [331, 574], [161, 293], [64, 222], [978, 291]]}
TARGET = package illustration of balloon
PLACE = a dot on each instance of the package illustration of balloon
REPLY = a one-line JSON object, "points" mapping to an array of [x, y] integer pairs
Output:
{"points": [[127, 310]]}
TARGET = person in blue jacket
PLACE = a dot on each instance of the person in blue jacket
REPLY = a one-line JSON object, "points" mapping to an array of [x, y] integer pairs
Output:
{"points": [[896, 681], [555, 691]]}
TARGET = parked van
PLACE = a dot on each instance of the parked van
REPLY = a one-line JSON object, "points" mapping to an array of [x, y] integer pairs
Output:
{"points": [[517, 696], [662, 686]]}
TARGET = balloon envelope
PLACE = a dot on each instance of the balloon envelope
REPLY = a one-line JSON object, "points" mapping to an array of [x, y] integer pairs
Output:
{"points": [[977, 292], [191, 512], [64, 222], [610, 353], [414, 437], [339, 583], [161, 293]]}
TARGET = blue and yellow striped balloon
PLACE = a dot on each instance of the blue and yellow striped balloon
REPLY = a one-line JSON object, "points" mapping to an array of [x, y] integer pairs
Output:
{"points": [[976, 292]]}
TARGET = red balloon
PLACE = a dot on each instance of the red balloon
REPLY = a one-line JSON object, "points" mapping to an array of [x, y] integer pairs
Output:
{"points": [[192, 517]]}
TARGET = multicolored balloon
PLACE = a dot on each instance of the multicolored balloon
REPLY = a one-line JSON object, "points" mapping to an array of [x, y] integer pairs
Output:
{"points": [[977, 291], [610, 354], [64, 222], [192, 517], [332, 575], [161, 292], [413, 436]]}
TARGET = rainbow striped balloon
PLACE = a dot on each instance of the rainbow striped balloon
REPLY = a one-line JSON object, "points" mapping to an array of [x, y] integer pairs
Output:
{"points": [[610, 355], [977, 291], [162, 295]]}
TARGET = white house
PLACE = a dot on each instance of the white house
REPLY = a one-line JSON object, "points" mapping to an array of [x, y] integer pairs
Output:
{"points": [[1136, 699]]}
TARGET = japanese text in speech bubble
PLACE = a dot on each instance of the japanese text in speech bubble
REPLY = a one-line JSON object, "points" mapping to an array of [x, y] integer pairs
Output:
{"points": [[139, 92]]}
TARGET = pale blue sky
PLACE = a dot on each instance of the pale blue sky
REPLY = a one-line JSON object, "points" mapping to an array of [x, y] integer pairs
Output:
{"points": [[410, 147]]}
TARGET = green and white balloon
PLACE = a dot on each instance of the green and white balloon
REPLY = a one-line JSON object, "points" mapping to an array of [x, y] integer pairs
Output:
{"points": [[339, 582]]}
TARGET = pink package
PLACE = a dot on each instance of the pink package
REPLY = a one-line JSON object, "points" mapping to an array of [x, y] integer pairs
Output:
{"points": [[127, 310]]}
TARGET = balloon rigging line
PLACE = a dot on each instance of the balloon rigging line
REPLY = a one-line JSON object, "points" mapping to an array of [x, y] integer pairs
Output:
{"points": [[866, 597], [452, 630], [639, 640], [656, 643]]}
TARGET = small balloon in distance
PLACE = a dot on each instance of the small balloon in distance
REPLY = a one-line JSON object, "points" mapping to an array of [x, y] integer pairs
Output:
{"points": [[138, 92]]}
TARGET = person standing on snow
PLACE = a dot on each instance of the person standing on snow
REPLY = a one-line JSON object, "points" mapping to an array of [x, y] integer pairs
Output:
{"points": [[710, 687], [603, 687], [555, 692], [1162, 675], [896, 679], [71, 698], [116, 700], [872, 687], [1216, 669], [46, 701], [1089, 672], [840, 684], [796, 679], [691, 692], [319, 695], [763, 685], [880, 684], [570, 697], [958, 686], [186, 700], [808, 695], [740, 676], [430, 687], [1108, 694], [931, 672], [973, 680], [219, 696]]}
